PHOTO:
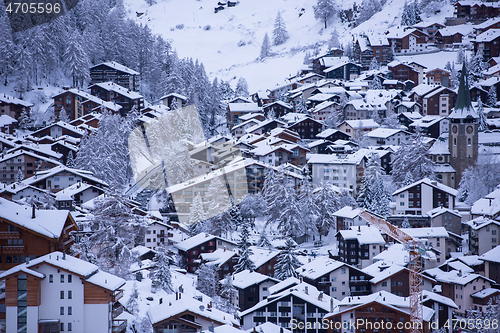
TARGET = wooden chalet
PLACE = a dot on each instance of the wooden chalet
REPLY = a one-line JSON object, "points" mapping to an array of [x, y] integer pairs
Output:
{"points": [[78, 103], [117, 94], [13, 107], [115, 72]]}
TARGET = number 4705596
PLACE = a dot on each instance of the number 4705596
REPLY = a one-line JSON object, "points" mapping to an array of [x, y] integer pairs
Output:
{"points": [[33, 8], [471, 324]]}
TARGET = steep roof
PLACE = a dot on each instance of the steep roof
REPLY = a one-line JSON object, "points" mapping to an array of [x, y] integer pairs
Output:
{"points": [[427, 181], [463, 107], [363, 234], [111, 86], [118, 67], [12, 100], [197, 240], [319, 267], [492, 255], [245, 279]]}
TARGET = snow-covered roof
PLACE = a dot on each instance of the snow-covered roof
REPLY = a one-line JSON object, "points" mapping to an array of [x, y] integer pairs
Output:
{"points": [[322, 106], [86, 175], [378, 275], [486, 207], [458, 266], [15, 153], [245, 279], [431, 183], [268, 327], [176, 95], [326, 133], [118, 67], [48, 223], [440, 146], [492, 70], [88, 97], [262, 124], [462, 29], [287, 283], [244, 107], [218, 257], [378, 40], [281, 103], [426, 232], [197, 240], [6, 120], [337, 63], [362, 123], [384, 132], [488, 137], [348, 212], [411, 115], [427, 121], [429, 295], [249, 116], [111, 86], [399, 32], [261, 256], [443, 168], [319, 267], [492, 255], [441, 210], [488, 36], [363, 234], [423, 89], [74, 189], [487, 292], [457, 277], [360, 104], [106, 280], [4, 98], [251, 122]]}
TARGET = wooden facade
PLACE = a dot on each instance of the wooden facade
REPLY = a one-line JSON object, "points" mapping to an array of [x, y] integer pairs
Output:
{"points": [[93, 294]]}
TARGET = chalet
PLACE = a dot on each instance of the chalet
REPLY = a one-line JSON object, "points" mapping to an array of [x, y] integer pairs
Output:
{"points": [[323, 110], [26, 161], [59, 129], [77, 103], [31, 233], [60, 177], [191, 248], [335, 278], [446, 218], [380, 307], [472, 10], [387, 136], [432, 126], [273, 155], [393, 84], [113, 92], [429, 28], [407, 41], [492, 264], [342, 69], [252, 287], [321, 62], [285, 134], [114, 72], [438, 102], [381, 49], [277, 308], [320, 97], [493, 71], [188, 314], [422, 196], [174, 101], [407, 107], [264, 260], [333, 135], [491, 83], [359, 245], [363, 53], [348, 217], [488, 42], [18, 190], [394, 279], [240, 129], [277, 109], [82, 192], [310, 77], [488, 206], [363, 110], [265, 126], [281, 90], [222, 260], [482, 298], [357, 128], [438, 76], [403, 72], [13, 107], [82, 297], [306, 127], [236, 110], [483, 235], [7, 124], [451, 37]]}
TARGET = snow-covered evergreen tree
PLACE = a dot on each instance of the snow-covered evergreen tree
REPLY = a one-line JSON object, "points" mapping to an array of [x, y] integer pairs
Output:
{"points": [[479, 180], [63, 115], [307, 204], [241, 88], [263, 241], [76, 62], [70, 161], [23, 67], [453, 77], [374, 65], [225, 296], [367, 9], [406, 223], [374, 196], [391, 122], [132, 303], [244, 261], [376, 84], [280, 35], [492, 96], [160, 275], [226, 93], [408, 179], [334, 41], [325, 10], [19, 176], [411, 14], [235, 214], [482, 118], [376, 117], [327, 203], [460, 55], [207, 280], [287, 262], [24, 119], [301, 105], [217, 207], [265, 50], [196, 212], [477, 66]]}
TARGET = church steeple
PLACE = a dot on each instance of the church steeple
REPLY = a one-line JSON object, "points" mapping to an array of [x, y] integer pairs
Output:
{"points": [[463, 107]]}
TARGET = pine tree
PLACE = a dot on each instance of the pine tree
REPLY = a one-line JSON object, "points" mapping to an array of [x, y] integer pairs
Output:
{"points": [[492, 96], [460, 55], [374, 195], [391, 122], [70, 161], [406, 223], [291, 222], [376, 84], [325, 10], [408, 179], [287, 262], [244, 261], [235, 214], [24, 122], [411, 14], [334, 41], [453, 77], [132, 303], [76, 61], [23, 67], [265, 50], [63, 115], [160, 275], [196, 212], [207, 280], [19, 176], [477, 66], [374, 65], [307, 204], [241, 88], [217, 207], [225, 296], [301, 106], [327, 203], [263, 241], [280, 35], [482, 118]]}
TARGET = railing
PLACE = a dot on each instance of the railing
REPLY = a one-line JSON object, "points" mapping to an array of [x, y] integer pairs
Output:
{"points": [[9, 234], [117, 311], [13, 249], [119, 325], [117, 296]]}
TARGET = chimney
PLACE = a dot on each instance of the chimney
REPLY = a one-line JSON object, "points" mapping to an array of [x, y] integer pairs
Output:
{"points": [[331, 304], [359, 228], [161, 300], [460, 272], [64, 256], [33, 211], [320, 296], [306, 290], [301, 279]]}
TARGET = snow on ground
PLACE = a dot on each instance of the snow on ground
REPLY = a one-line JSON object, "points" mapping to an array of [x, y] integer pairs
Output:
{"points": [[247, 23]]}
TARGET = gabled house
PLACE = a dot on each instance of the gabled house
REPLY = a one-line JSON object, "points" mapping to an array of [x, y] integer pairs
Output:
{"points": [[335, 278], [253, 287], [157, 234], [482, 298], [387, 136], [174, 101], [13, 107], [57, 292], [31, 233], [7, 124], [264, 260], [407, 40], [357, 128], [323, 110], [18, 191], [438, 102], [191, 248], [277, 109], [446, 218], [438, 76], [29, 163], [488, 42], [115, 72], [443, 307], [265, 126], [333, 135], [363, 53], [117, 94], [342, 69], [359, 245], [483, 235], [422, 196], [492, 264], [59, 129], [403, 72], [432, 126], [306, 127], [348, 217]]}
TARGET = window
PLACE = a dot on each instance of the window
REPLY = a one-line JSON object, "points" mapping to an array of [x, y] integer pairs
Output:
{"points": [[51, 278], [494, 240], [70, 278], [70, 294], [334, 289], [400, 283], [70, 310], [70, 327], [61, 311], [402, 195], [493, 232], [342, 270], [62, 327], [62, 278], [62, 294]]}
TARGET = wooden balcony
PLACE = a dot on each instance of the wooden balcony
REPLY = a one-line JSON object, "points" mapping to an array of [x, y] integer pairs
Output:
{"points": [[9, 234], [119, 325], [117, 295], [13, 249], [117, 311]]}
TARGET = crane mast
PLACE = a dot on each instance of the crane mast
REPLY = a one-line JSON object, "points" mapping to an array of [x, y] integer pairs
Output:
{"points": [[414, 266]]}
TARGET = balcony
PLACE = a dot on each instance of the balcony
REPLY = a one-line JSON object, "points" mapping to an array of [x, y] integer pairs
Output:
{"points": [[117, 310], [13, 249], [117, 295], [119, 325], [9, 234]]}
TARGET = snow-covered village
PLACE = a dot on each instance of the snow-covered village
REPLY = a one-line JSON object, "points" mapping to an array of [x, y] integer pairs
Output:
{"points": [[250, 166]]}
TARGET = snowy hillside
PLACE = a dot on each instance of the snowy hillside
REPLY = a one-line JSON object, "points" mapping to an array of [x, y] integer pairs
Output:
{"points": [[247, 23]]}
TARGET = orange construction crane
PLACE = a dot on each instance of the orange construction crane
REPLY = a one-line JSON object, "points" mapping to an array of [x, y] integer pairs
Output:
{"points": [[415, 249]]}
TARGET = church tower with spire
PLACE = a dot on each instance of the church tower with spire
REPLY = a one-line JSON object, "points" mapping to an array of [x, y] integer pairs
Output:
{"points": [[464, 125]]}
